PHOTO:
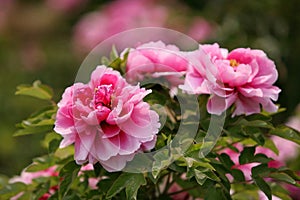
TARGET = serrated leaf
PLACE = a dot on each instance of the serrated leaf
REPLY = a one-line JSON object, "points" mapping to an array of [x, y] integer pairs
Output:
{"points": [[37, 90], [263, 186], [130, 181], [286, 133]]}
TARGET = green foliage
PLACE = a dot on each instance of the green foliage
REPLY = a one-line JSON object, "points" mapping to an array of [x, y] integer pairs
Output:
{"points": [[37, 90], [178, 160], [130, 181]]}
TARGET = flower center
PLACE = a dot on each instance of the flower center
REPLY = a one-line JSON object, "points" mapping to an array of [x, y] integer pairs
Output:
{"points": [[233, 63], [102, 95], [102, 101]]}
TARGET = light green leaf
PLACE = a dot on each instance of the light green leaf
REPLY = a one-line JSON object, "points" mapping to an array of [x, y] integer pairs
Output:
{"points": [[256, 123], [286, 133], [283, 177], [37, 90], [162, 160], [33, 130]]}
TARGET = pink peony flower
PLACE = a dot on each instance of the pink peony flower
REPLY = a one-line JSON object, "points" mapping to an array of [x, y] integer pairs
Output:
{"points": [[106, 119], [156, 59], [98, 26], [243, 78]]}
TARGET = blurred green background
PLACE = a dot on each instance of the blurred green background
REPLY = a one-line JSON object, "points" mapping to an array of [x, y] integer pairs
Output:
{"points": [[38, 40]]}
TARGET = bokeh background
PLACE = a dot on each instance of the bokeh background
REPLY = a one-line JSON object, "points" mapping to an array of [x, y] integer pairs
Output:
{"points": [[47, 40]]}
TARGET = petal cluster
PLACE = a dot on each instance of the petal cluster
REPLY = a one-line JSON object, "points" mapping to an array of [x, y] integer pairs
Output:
{"points": [[243, 77], [156, 60], [106, 119]]}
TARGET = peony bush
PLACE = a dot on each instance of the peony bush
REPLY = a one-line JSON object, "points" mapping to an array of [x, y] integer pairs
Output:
{"points": [[97, 130]]}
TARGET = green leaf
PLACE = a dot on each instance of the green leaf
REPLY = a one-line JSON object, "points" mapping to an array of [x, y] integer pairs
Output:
{"points": [[261, 170], [40, 163], [271, 145], [33, 130], [261, 158], [263, 186], [68, 173], [256, 123], [130, 181], [283, 177], [162, 160], [255, 133], [225, 159], [286, 133], [37, 90], [238, 175], [200, 177], [247, 155], [214, 194], [12, 189], [53, 145]]}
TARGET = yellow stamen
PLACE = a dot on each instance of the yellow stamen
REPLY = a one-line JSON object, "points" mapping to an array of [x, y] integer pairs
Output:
{"points": [[234, 63]]}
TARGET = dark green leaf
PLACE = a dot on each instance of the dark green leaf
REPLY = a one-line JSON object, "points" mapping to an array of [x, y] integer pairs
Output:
{"points": [[238, 175], [130, 181], [247, 155], [263, 186], [261, 170], [225, 159], [261, 158], [68, 173], [53, 145], [97, 168], [254, 133], [214, 194]]}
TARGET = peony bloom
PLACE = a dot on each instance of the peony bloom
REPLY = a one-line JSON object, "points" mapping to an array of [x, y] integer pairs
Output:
{"points": [[106, 119], [243, 78], [156, 59], [97, 26]]}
